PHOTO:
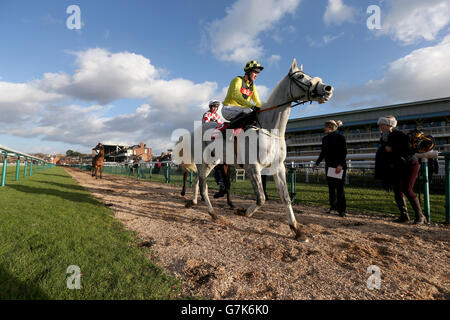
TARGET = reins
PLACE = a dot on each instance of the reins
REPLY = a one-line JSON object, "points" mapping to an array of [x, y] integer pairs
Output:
{"points": [[279, 106], [298, 83]]}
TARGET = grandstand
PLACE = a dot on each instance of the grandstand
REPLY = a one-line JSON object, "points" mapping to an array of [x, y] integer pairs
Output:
{"points": [[304, 135]]}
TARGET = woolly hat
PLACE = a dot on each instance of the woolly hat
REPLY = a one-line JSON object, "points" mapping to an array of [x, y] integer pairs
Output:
{"points": [[332, 123], [389, 121]]}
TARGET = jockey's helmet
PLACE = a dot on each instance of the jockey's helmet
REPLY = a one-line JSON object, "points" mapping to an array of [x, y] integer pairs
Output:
{"points": [[214, 103], [253, 65]]}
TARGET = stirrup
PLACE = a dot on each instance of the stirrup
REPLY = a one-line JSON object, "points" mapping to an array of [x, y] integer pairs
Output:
{"points": [[237, 120]]}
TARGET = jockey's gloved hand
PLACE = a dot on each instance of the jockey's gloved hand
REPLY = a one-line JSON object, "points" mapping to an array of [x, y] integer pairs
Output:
{"points": [[253, 107]]}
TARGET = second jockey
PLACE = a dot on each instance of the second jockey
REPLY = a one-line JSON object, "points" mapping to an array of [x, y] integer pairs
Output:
{"points": [[237, 106], [212, 115], [219, 174]]}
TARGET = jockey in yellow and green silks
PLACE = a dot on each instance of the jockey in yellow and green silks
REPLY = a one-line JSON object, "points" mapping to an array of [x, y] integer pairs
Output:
{"points": [[241, 93]]}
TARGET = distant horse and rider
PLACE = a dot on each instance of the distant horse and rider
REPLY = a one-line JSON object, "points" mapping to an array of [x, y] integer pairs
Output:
{"points": [[268, 122], [97, 161]]}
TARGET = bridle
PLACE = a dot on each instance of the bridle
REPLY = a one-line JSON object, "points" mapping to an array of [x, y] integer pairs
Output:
{"points": [[310, 93]]}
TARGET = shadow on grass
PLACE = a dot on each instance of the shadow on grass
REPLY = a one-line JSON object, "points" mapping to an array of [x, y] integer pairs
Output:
{"points": [[62, 185], [53, 174], [12, 288], [71, 196]]}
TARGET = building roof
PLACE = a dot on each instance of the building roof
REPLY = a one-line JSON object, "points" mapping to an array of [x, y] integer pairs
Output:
{"points": [[403, 112]]}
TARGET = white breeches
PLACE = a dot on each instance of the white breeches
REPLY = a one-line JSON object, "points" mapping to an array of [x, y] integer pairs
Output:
{"points": [[229, 112]]}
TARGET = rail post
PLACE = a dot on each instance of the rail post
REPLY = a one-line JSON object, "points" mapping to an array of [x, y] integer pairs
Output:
{"points": [[26, 168], [5, 165], [292, 181], [17, 168], [426, 188], [167, 173], [307, 173], [31, 167], [447, 186], [138, 171], [349, 168]]}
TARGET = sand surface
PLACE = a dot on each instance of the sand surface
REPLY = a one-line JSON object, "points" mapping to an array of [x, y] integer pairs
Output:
{"points": [[258, 258]]}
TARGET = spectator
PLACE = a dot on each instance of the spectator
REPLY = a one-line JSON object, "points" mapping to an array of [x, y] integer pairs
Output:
{"points": [[404, 167], [334, 151]]}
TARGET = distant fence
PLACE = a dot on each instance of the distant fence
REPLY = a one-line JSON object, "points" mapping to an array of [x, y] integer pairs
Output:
{"points": [[359, 173], [29, 161], [165, 171], [357, 170]]}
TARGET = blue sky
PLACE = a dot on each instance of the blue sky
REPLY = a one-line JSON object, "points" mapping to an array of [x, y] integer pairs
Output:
{"points": [[137, 70]]}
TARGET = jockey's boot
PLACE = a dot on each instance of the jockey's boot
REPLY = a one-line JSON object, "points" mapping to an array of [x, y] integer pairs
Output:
{"points": [[401, 203], [415, 204], [222, 191], [219, 177], [243, 119]]}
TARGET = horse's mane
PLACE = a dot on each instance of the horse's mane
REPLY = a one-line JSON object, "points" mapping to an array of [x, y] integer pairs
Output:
{"points": [[271, 99]]}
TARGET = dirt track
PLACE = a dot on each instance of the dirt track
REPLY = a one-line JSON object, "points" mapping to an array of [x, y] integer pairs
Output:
{"points": [[257, 258]]}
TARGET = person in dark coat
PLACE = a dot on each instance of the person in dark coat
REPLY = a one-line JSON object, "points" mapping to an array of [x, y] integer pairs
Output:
{"points": [[404, 167], [334, 151]]}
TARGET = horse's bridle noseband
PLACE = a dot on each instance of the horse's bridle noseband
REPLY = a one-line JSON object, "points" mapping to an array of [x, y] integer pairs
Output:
{"points": [[307, 88], [310, 93]]}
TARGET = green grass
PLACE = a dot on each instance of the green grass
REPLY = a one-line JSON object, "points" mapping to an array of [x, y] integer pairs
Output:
{"points": [[47, 223]]}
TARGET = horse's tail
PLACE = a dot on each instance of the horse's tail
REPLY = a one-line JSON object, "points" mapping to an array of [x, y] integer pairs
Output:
{"points": [[189, 167]]}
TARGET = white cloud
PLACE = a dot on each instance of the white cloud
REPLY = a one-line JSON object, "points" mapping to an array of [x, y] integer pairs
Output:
{"points": [[422, 74], [44, 108], [22, 101], [103, 77], [236, 37], [409, 21], [274, 59], [337, 13]]}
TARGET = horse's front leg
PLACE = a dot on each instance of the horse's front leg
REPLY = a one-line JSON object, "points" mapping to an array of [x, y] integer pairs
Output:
{"points": [[203, 173], [255, 178], [280, 181], [193, 202]]}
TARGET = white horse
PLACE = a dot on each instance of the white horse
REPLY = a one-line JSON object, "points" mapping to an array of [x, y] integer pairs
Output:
{"points": [[273, 117]]}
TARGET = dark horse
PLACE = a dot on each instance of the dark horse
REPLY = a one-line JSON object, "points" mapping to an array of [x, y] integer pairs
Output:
{"points": [[97, 161], [226, 172]]}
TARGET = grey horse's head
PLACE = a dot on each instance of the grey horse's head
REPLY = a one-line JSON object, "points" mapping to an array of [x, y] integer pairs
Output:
{"points": [[307, 88]]}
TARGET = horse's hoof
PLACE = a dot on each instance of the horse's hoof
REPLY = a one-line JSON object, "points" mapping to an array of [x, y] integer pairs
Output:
{"points": [[299, 235], [231, 206], [240, 211], [189, 204], [183, 193], [213, 216], [301, 238]]}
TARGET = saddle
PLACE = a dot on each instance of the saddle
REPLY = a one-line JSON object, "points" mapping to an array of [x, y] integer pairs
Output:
{"points": [[241, 122]]}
